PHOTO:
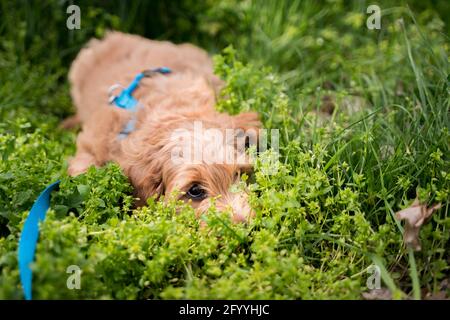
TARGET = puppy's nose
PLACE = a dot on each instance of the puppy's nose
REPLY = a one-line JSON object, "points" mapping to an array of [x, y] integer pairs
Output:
{"points": [[241, 210]]}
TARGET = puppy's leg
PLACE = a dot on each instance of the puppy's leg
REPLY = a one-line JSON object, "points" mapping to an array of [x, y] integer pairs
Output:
{"points": [[70, 122], [84, 158], [97, 142]]}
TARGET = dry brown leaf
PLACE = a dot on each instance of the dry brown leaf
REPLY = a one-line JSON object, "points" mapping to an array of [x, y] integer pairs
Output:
{"points": [[415, 216], [327, 105]]}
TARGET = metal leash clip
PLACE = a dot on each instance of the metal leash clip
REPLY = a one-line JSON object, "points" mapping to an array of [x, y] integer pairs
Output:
{"points": [[111, 90]]}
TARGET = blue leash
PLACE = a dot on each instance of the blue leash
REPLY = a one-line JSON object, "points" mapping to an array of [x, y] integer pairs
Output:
{"points": [[29, 237], [30, 232]]}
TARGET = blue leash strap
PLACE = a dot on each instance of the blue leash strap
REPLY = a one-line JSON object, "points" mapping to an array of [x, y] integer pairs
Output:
{"points": [[29, 237]]}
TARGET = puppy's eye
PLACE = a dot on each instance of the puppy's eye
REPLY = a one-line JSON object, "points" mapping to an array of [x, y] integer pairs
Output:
{"points": [[196, 193]]}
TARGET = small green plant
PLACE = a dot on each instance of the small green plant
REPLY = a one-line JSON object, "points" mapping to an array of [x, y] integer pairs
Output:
{"points": [[323, 217]]}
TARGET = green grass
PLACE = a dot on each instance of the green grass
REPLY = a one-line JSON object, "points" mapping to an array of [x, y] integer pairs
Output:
{"points": [[322, 220]]}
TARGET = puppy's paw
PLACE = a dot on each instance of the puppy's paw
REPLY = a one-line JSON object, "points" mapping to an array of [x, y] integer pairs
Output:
{"points": [[80, 164]]}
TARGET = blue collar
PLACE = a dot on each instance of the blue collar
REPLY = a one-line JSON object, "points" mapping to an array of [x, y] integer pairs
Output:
{"points": [[125, 99]]}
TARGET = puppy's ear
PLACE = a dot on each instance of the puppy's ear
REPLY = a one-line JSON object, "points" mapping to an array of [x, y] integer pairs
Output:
{"points": [[246, 120], [143, 165]]}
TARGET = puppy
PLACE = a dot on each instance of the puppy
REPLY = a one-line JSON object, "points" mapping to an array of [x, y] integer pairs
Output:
{"points": [[175, 118]]}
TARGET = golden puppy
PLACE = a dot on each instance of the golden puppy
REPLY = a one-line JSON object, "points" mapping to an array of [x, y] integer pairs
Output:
{"points": [[177, 134]]}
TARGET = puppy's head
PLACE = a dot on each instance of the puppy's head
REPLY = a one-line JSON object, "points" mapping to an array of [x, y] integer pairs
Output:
{"points": [[200, 155]]}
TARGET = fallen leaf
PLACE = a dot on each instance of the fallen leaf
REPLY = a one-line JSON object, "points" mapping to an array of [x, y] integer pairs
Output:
{"points": [[415, 216], [327, 105]]}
